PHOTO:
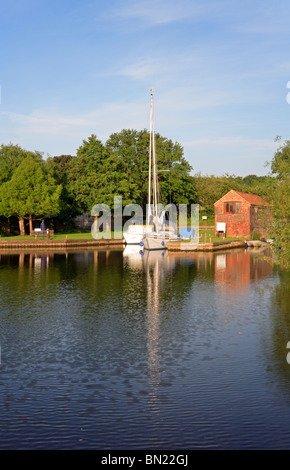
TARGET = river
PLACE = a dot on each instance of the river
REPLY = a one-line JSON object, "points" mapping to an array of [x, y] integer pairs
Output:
{"points": [[109, 349]]}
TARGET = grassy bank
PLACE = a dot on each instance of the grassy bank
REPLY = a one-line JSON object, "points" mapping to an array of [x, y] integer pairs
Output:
{"points": [[57, 236], [61, 236], [205, 236], [208, 236]]}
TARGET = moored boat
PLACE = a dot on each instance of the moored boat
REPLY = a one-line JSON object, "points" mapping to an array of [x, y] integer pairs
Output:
{"points": [[157, 238], [135, 233]]}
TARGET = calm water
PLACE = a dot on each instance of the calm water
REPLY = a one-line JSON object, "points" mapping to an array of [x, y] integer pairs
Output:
{"points": [[114, 350]]}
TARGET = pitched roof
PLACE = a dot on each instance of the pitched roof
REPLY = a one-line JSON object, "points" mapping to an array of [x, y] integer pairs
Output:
{"points": [[253, 199]]}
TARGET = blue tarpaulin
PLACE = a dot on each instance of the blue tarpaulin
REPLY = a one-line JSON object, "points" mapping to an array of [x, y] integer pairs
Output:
{"points": [[186, 232]]}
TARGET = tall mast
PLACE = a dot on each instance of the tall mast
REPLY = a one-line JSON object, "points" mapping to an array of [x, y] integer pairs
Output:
{"points": [[154, 159], [150, 158]]}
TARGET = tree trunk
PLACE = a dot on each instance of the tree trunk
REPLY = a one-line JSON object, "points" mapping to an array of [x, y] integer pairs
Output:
{"points": [[30, 224], [21, 226]]}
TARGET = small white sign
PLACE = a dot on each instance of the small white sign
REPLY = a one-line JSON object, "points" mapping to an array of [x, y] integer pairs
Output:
{"points": [[221, 227]]}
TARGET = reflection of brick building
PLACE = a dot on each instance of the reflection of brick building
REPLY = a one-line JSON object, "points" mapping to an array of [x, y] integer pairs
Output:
{"points": [[241, 213], [238, 269]]}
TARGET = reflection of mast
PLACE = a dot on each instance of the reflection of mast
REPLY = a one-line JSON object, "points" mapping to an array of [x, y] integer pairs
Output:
{"points": [[154, 262], [153, 325]]}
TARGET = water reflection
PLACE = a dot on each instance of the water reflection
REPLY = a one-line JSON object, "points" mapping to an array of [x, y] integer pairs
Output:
{"points": [[143, 350], [231, 272], [154, 264], [239, 269]]}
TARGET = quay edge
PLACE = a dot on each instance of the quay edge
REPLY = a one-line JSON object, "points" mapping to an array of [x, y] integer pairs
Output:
{"points": [[213, 246], [55, 244], [172, 245]]}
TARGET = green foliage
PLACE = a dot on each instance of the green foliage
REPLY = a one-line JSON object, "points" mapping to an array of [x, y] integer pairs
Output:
{"points": [[95, 176], [280, 167], [67, 185], [120, 168], [131, 148], [11, 156], [211, 188], [57, 167], [280, 164], [30, 192]]}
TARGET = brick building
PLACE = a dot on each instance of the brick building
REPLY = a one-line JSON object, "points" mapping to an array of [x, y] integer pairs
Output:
{"points": [[240, 214]]}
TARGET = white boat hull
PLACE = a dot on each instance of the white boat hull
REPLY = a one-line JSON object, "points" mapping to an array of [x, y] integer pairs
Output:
{"points": [[154, 243], [135, 233], [133, 238]]}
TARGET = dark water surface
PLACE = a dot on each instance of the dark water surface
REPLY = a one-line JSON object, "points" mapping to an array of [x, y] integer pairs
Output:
{"points": [[114, 350]]}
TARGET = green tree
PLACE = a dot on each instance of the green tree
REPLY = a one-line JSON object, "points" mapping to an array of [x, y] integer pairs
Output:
{"points": [[120, 168], [95, 176], [58, 167], [210, 189], [131, 148], [280, 167], [31, 192], [11, 156]]}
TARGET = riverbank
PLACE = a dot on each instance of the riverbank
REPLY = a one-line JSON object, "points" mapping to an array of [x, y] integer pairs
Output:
{"points": [[212, 246], [92, 243], [215, 246], [55, 244]]}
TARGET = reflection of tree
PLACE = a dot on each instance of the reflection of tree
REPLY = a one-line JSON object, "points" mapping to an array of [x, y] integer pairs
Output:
{"points": [[277, 334], [30, 265]]}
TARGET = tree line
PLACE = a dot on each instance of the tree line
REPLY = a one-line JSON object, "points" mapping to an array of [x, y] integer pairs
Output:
{"points": [[61, 187]]}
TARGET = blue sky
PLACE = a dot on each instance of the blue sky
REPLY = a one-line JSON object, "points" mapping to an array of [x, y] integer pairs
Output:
{"points": [[219, 71]]}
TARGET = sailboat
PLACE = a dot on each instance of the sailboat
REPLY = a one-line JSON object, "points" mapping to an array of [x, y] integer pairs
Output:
{"points": [[155, 239], [135, 233]]}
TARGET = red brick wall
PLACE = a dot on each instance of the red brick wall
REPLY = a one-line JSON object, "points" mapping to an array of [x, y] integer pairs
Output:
{"points": [[237, 225]]}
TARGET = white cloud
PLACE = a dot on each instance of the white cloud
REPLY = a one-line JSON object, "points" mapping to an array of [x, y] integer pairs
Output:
{"points": [[58, 129], [55, 133], [145, 69], [157, 12], [166, 66]]}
